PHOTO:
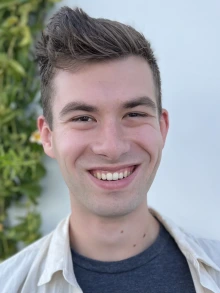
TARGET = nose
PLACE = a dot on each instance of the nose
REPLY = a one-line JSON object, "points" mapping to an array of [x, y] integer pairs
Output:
{"points": [[111, 141]]}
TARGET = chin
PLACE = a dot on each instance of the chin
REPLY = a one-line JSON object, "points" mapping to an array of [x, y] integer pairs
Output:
{"points": [[115, 209]]}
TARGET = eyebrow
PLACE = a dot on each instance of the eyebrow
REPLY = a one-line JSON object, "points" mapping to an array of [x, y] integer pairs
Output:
{"points": [[79, 106], [142, 101]]}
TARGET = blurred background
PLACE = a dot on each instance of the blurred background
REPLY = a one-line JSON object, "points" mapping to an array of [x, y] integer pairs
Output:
{"points": [[185, 37]]}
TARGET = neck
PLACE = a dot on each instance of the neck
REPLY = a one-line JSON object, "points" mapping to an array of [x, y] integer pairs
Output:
{"points": [[112, 239]]}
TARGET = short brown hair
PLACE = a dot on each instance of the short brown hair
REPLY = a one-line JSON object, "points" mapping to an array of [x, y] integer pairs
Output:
{"points": [[73, 38]]}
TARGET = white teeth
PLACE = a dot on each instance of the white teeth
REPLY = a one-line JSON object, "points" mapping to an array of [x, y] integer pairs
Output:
{"points": [[120, 176], [115, 176], [104, 177], [109, 176], [112, 176], [125, 173]]}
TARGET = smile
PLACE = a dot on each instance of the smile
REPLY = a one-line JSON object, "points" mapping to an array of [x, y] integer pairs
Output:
{"points": [[113, 176], [112, 179]]}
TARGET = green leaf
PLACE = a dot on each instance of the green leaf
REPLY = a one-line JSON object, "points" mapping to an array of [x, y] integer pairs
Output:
{"points": [[16, 67], [26, 40], [21, 167], [10, 21], [8, 3]]}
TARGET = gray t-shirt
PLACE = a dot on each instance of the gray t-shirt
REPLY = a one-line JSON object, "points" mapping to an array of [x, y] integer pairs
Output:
{"points": [[161, 268]]}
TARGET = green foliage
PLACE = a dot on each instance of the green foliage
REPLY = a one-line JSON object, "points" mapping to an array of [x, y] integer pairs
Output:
{"points": [[21, 165]]}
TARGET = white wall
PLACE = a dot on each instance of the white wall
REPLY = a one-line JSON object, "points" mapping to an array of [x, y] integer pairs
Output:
{"points": [[186, 38]]}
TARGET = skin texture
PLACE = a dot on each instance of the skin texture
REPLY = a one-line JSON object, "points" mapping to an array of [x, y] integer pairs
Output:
{"points": [[110, 137]]}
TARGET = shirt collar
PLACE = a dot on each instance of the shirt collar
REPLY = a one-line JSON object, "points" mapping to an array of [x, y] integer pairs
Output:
{"points": [[186, 242], [59, 255]]}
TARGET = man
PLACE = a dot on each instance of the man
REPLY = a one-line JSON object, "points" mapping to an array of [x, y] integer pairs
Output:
{"points": [[104, 123]]}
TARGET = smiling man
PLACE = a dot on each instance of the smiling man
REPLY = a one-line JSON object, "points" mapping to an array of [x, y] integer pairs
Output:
{"points": [[104, 123]]}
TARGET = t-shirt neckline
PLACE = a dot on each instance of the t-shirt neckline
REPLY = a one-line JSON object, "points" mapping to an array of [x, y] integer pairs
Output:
{"points": [[128, 264]]}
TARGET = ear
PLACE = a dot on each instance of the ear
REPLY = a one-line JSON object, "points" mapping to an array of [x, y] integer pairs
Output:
{"points": [[164, 125], [46, 136]]}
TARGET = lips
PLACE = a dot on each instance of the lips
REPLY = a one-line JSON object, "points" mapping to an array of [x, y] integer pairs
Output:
{"points": [[111, 182], [109, 175]]}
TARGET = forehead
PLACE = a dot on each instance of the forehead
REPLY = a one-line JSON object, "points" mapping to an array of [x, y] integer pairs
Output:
{"points": [[105, 84]]}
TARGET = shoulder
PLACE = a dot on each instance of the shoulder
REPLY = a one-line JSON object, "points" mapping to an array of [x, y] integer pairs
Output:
{"points": [[26, 255], [203, 250], [26, 268], [209, 247], [14, 270], [208, 244]]}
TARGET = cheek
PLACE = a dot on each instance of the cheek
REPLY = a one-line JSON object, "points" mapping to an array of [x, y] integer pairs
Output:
{"points": [[150, 139], [69, 146]]}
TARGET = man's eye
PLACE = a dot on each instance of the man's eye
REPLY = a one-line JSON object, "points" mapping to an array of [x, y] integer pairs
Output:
{"points": [[82, 119], [137, 114]]}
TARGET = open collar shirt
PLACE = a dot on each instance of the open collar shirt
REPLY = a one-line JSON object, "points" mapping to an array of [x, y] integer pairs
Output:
{"points": [[46, 266]]}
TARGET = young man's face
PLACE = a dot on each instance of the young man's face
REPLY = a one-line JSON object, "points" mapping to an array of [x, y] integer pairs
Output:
{"points": [[106, 126]]}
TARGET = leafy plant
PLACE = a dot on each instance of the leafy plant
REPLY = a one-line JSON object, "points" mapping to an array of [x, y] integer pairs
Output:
{"points": [[21, 166]]}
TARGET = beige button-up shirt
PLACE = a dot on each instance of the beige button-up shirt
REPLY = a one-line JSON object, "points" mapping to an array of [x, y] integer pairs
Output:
{"points": [[46, 266]]}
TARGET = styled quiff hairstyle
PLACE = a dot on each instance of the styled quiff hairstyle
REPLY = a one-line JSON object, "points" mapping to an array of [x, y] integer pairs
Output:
{"points": [[72, 38]]}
